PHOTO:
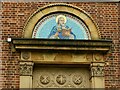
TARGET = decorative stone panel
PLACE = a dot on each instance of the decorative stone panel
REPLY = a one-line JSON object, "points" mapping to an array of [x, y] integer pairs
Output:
{"points": [[97, 57], [97, 70], [26, 68], [54, 77], [25, 55]]}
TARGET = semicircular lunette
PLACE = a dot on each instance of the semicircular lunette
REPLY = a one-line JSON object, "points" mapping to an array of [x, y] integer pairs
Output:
{"points": [[66, 27], [40, 14]]}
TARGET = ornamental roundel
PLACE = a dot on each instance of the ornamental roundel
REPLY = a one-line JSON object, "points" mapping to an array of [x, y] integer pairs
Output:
{"points": [[25, 55], [61, 79], [77, 79], [61, 26], [44, 79], [98, 57]]}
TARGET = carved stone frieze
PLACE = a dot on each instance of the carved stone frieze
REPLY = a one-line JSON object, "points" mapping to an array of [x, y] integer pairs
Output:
{"points": [[63, 57], [60, 77], [97, 71], [26, 68], [37, 56], [78, 57], [89, 57]]}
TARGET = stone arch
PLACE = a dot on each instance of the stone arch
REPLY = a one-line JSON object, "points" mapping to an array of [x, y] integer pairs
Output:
{"points": [[60, 7]]}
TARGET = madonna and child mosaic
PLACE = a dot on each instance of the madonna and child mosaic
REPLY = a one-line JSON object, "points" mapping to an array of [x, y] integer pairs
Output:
{"points": [[61, 26]]}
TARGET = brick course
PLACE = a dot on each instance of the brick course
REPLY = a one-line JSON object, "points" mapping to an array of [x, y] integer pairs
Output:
{"points": [[14, 16]]}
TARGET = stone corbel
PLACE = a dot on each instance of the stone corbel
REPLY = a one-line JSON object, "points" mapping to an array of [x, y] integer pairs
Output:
{"points": [[26, 68], [97, 70]]}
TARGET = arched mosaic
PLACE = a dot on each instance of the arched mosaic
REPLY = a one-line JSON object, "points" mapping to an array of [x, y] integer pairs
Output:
{"points": [[61, 21], [61, 26]]}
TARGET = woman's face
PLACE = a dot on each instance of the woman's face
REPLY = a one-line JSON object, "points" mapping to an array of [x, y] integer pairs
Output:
{"points": [[61, 21]]}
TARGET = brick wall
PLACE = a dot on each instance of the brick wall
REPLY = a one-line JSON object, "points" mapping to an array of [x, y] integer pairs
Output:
{"points": [[0, 46], [13, 19]]}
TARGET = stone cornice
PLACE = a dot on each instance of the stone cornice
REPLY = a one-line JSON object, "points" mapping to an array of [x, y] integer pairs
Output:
{"points": [[55, 44]]}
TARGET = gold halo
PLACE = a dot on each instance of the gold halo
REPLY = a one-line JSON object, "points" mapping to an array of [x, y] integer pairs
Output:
{"points": [[59, 17]]}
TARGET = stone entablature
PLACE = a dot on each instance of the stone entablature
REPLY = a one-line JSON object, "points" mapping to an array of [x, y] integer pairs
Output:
{"points": [[45, 50], [85, 53]]}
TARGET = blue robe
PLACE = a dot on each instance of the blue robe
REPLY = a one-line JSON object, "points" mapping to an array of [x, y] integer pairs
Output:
{"points": [[54, 30]]}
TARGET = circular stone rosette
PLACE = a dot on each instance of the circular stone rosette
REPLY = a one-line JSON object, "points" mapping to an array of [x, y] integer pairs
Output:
{"points": [[61, 79], [44, 79], [77, 79]]}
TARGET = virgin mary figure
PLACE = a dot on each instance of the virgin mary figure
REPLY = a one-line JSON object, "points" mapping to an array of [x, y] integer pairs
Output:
{"points": [[61, 30]]}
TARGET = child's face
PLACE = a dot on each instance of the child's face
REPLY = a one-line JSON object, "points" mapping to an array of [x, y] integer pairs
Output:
{"points": [[66, 32]]}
